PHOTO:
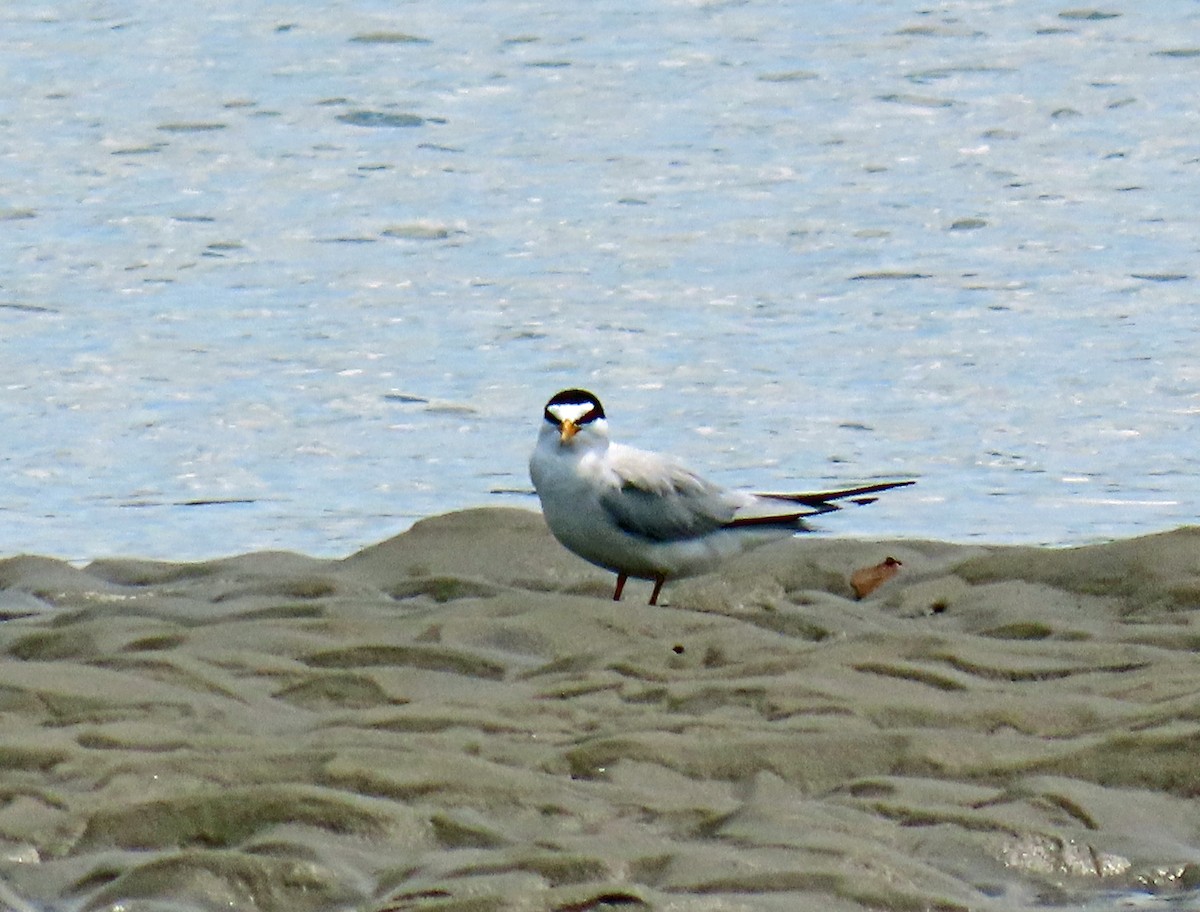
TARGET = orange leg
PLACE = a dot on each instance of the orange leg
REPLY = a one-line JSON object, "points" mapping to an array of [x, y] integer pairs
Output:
{"points": [[621, 577], [659, 579]]}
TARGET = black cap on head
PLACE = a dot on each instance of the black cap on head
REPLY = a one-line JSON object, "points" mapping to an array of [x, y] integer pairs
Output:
{"points": [[576, 397]]}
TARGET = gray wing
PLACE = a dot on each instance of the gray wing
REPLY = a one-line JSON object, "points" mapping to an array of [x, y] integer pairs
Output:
{"points": [[662, 501]]}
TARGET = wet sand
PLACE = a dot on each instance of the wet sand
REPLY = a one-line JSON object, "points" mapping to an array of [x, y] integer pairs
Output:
{"points": [[460, 718]]}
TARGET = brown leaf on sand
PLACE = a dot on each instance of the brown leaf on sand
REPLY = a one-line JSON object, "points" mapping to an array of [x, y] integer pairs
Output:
{"points": [[866, 580]]}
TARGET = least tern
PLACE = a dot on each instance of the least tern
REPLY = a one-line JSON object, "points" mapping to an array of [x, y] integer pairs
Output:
{"points": [[642, 514]]}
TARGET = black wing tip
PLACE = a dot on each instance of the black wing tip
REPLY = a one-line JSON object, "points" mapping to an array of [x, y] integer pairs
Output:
{"points": [[874, 488], [823, 500]]}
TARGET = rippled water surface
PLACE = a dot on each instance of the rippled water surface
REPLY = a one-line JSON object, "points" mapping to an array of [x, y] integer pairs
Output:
{"points": [[294, 275]]}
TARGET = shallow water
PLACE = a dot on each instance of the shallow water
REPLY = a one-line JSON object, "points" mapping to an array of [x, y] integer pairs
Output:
{"points": [[295, 276]]}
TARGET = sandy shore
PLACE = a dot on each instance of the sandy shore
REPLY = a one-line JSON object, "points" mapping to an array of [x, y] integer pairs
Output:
{"points": [[460, 718]]}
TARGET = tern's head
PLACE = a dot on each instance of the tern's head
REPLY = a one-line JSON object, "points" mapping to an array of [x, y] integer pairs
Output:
{"points": [[575, 416]]}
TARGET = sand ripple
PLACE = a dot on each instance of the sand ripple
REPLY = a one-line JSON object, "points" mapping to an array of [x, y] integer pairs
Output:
{"points": [[459, 718]]}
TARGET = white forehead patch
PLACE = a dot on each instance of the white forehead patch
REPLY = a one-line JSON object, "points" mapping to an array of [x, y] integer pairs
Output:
{"points": [[570, 411]]}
